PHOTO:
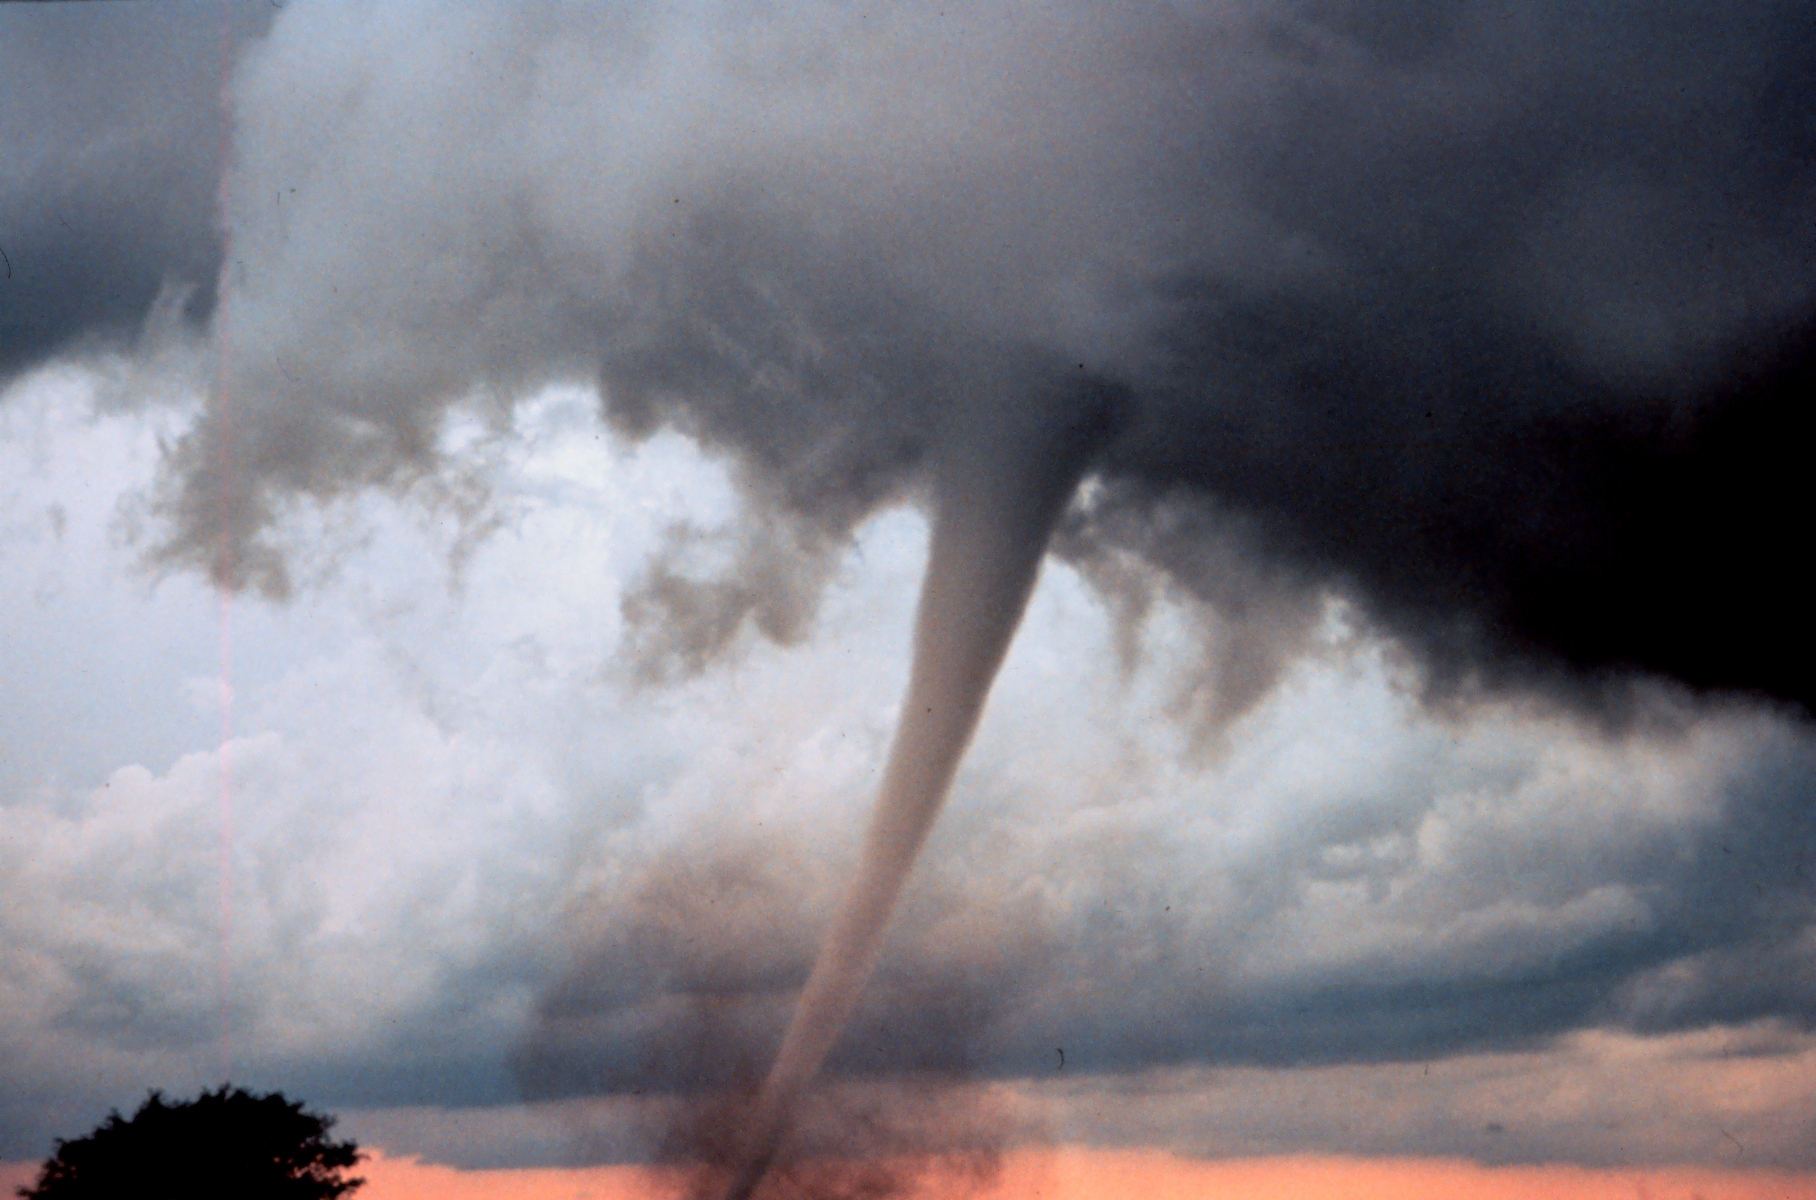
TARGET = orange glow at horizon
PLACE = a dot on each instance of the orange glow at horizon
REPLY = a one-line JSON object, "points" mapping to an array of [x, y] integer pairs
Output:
{"points": [[1082, 1174], [1078, 1174]]}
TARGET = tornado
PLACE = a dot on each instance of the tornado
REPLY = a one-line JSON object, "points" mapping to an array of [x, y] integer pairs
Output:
{"points": [[1003, 480]]}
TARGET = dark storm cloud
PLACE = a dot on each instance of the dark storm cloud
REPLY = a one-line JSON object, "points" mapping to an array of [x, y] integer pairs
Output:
{"points": [[1550, 409], [111, 135], [1492, 319]]}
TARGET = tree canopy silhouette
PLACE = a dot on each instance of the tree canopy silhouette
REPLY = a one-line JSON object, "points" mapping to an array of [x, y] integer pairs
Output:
{"points": [[229, 1142]]}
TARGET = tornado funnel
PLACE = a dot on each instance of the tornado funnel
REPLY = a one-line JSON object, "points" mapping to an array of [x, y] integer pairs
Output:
{"points": [[1003, 482]]}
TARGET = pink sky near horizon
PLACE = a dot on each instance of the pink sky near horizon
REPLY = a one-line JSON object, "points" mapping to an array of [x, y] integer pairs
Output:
{"points": [[1085, 1174]]}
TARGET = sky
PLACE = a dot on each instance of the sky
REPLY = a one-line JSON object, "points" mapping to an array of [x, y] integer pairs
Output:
{"points": [[467, 474]]}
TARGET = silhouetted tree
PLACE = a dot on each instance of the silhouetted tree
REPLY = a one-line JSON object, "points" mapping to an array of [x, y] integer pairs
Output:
{"points": [[229, 1142]]}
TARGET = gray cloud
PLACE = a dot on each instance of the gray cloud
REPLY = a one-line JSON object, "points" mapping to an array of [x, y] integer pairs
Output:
{"points": [[113, 133], [1492, 320], [468, 872], [1692, 916]]}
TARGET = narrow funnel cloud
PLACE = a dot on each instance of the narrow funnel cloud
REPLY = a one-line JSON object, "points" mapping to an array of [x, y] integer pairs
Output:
{"points": [[1001, 490]]}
